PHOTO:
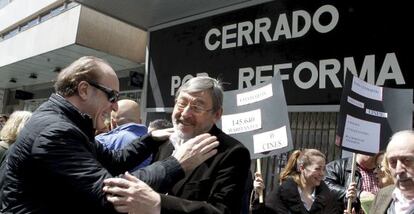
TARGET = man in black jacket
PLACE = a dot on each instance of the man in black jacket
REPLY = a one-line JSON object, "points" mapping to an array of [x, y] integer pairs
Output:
{"points": [[338, 179], [56, 166], [214, 187]]}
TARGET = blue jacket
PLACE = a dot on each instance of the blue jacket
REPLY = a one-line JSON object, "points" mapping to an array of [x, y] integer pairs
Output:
{"points": [[123, 135]]}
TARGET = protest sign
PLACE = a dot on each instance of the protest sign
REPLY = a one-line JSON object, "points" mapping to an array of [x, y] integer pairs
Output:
{"points": [[370, 114], [258, 118]]}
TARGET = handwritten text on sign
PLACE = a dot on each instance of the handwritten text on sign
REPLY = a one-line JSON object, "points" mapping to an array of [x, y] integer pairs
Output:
{"points": [[271, 140], [242, 122]]}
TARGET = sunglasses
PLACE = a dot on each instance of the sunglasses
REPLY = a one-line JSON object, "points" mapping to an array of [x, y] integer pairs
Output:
{"points": [[110, 93]]}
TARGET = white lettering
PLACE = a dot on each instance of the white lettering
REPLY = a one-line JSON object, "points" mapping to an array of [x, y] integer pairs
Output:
{"points": [[282, 28], [331, 25], [390, 64], [227, 36], [244, 29], [314, 75], [327, 71], [261, 29], [296, 32], [324, 71], [215, 45], [176, 81]]}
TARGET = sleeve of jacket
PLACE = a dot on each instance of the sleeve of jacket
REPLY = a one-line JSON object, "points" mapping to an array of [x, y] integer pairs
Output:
{"points": [[334, 178], [274, 203], [226, 193], [67, 155], [160, 175]]}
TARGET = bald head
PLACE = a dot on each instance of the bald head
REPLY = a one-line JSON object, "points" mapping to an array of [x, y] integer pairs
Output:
{"points": [[400, 156], [402, 139], [128, 112]]}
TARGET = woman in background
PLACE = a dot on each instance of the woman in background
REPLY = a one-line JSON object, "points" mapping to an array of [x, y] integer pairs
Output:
{"points": [[382, 172], [11, 129], [302, 189]]}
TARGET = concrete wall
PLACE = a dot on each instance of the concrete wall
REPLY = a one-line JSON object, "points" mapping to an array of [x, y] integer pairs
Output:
{"points": [[52, 34], [19, 11], [110, 35]]}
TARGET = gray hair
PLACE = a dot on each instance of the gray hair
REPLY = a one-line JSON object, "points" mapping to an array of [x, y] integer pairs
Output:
{"points": [[202, 83]]}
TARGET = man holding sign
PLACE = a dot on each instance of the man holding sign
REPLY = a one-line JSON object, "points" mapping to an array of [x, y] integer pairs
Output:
{"points": [[217, 185]]}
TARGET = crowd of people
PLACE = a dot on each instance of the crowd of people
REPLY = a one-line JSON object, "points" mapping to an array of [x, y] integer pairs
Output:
{"points": [[85, 151]]}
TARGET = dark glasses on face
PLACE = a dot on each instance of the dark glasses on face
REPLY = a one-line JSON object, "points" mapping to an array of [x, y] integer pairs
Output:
{"points": [[110, 93]]}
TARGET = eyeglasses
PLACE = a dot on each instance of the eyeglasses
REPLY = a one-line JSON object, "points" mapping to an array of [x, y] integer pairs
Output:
{"points": [[195, 108], [110, 93]]}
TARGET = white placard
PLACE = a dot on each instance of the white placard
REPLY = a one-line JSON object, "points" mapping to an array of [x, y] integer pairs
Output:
{"points": [[361, 135], [365, 89], [271, 140], [376, 113], [355, 102], [255, 95], [242, 122]]}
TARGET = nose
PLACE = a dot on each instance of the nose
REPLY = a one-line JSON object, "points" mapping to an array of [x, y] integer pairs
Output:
{"points": [[186, 112], [399, 167]]}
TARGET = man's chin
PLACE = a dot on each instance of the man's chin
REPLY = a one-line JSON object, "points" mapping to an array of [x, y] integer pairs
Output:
{"points": [[182, 134]]}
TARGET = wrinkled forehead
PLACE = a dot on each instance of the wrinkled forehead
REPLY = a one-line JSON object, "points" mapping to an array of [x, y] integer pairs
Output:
{"points": [[401, 148], [200, 96]]}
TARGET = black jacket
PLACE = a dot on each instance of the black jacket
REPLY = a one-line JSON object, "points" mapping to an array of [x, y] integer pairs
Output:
{"points": [[216, 186], [337, 177], [56, 166], [286, 200]]}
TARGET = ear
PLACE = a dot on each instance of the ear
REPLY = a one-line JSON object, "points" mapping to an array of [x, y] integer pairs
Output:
{"points": [[217, 114], [83, 90], [113, 123]]}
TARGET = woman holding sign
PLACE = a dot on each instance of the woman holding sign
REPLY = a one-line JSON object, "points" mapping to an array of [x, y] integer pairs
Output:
{"points": [[302, 189]]}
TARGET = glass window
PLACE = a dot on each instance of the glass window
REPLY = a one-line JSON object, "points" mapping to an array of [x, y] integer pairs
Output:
{"points": [[11, 33], [45, 17], [3, 3], [57, 10]]}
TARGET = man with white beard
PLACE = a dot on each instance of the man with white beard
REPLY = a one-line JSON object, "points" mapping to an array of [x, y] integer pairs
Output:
{"points": [[217, 185]]}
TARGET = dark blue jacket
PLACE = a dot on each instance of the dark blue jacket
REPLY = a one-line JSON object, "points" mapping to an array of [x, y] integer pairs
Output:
{"points": [[123, 135]]}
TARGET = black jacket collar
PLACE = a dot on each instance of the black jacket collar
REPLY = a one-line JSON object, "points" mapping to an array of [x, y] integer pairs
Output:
{"points": [[81, 120], [291, 197]]}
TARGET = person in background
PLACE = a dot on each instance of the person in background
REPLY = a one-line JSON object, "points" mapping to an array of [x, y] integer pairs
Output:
{"points": [[11, 130], [302, 189], [339, 181], [398, 198], [126, 127], [159, 124], [56, 166], [216, 186], [3, 120], [106, 128], [382, 171]]}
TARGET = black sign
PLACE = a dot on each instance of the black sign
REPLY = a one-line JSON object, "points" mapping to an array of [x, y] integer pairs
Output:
{"points": [[311, 44], [370, 115]]}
